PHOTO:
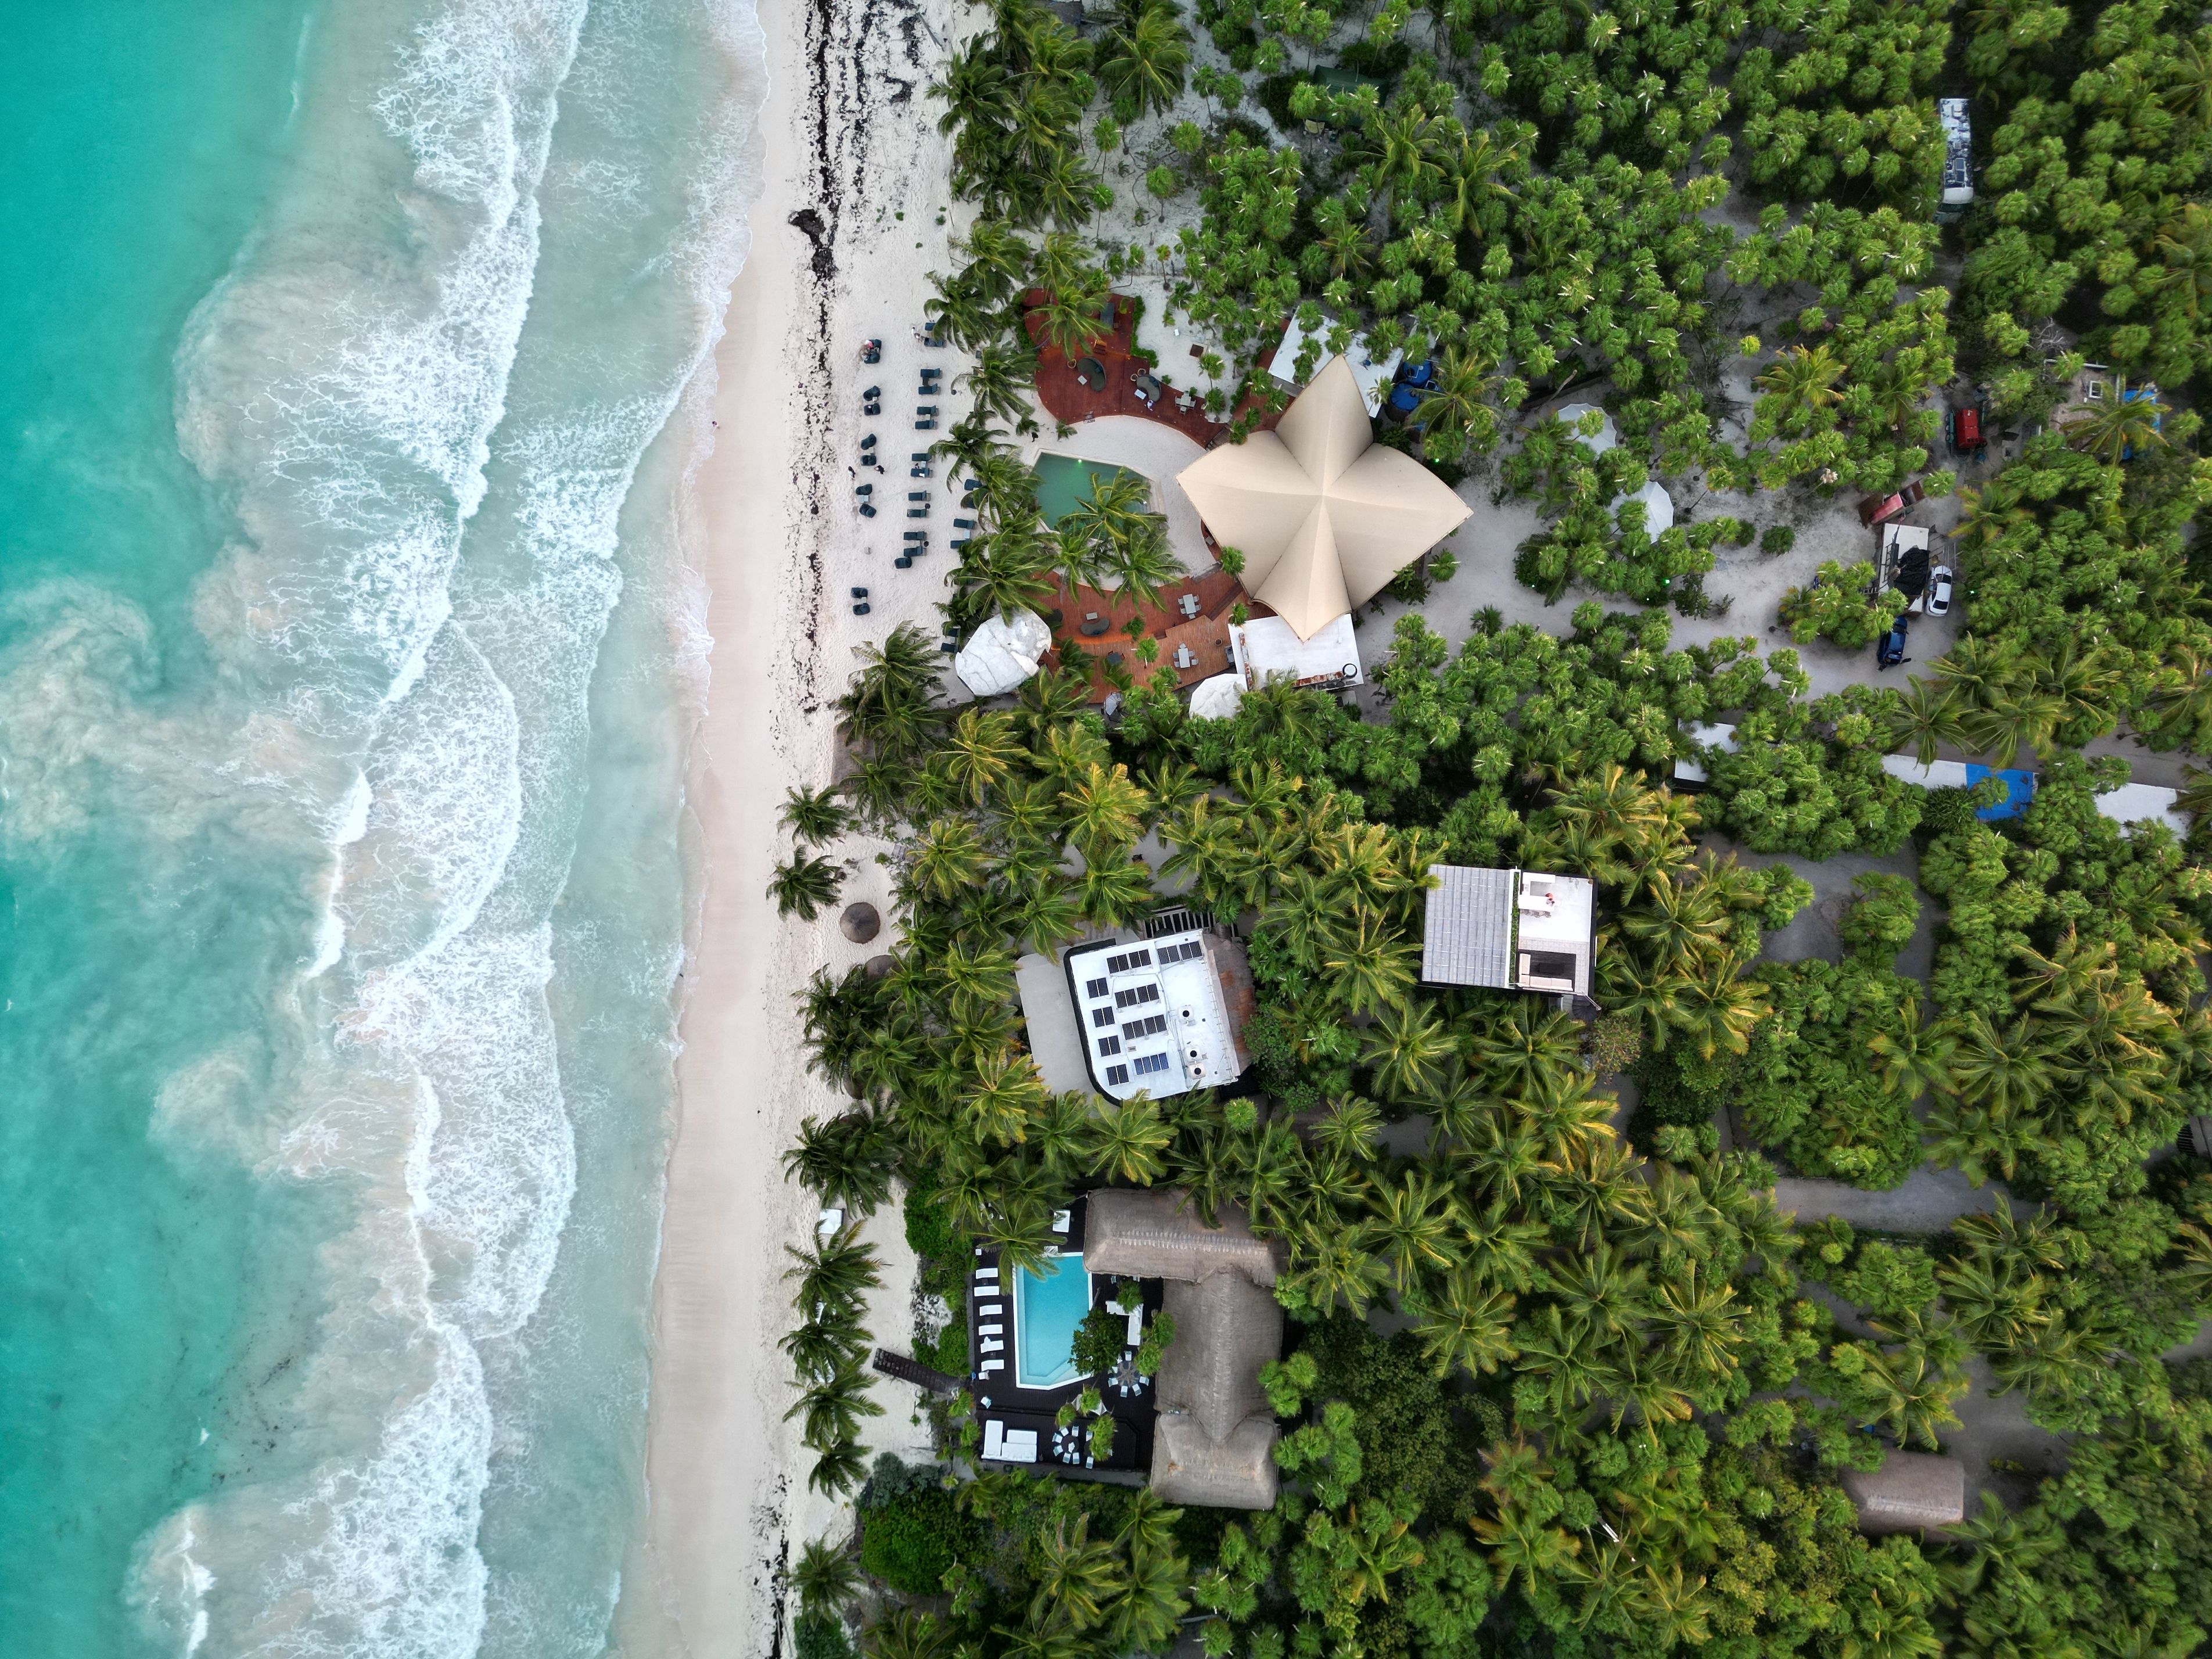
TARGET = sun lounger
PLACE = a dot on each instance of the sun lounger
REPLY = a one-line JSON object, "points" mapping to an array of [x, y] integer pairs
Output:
{"points": [[957, 546], [991, 1345], [859, 593], [963, 524], [862, 609], [924, 425], [869, 441], [987, 1273], [903, 562], [872, 409], [925, 408], [990, 1330], [866, 511], [917, 513]]}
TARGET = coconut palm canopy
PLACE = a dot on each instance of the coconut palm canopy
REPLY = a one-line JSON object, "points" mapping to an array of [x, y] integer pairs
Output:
{"points": [[1323, 515]]}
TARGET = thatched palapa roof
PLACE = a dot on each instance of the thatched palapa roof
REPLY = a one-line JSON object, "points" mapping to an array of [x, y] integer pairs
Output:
{"points": [[1214, 1440]]}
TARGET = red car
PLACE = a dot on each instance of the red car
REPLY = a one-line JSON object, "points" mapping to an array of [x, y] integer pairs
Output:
{"points": [[1969, 430], [1880, 509]]}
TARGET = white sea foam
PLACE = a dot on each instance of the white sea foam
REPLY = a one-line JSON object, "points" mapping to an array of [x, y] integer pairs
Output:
{"points": [[407, 627]]}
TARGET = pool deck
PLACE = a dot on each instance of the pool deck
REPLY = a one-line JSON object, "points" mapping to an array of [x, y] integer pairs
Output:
{"points": [[998, 1398]]}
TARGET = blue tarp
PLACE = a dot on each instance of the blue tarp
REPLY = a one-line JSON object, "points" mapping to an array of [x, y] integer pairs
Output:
{"points": [[2020, 789]]}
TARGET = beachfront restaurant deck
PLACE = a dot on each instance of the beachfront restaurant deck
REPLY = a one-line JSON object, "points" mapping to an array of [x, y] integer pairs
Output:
{"points": [[1021, 1335]]}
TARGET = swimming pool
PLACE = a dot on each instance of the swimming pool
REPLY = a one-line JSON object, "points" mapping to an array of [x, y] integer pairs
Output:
{"points": [[1063, 483], [1047, 1307]]}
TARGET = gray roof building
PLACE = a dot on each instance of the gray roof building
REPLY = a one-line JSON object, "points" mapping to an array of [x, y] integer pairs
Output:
{"points": [[1214, 1440], [1909, 1492], [1510, 930]]}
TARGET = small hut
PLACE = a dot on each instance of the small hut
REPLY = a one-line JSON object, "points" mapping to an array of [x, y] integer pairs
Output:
{"points": [[1214, 1440], [1911, 1491]]}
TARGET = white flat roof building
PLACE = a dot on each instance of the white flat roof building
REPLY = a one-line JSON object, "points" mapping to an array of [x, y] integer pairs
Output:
{"points": [[1267, 647], [2132, 802], [1374, 374], [1510, 930], [1156, 1013], [1715, 734]]}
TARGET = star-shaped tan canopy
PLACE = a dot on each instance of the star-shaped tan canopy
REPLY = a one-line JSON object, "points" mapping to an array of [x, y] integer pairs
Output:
{"points": [[1323, 514]]}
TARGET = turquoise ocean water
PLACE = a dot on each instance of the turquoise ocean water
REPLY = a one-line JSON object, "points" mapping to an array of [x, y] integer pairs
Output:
{"points": [[342, 660]]}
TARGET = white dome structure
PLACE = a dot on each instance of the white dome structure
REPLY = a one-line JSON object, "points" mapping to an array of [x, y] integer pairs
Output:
{"points": [[1217, 699], [1607, 435], [1658, 506], [1002, 654]]}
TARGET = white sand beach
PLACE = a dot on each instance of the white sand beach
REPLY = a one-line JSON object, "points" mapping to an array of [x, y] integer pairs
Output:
{"points": [[843, 235]]}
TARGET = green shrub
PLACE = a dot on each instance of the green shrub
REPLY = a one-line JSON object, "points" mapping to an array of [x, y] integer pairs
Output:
{"points": [[1946, 812], [819, 1636], [1881, 921], [1835, 606], [911, 1531], [1777, 538]]}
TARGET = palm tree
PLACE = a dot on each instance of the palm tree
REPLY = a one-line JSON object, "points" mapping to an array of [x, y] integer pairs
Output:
{"points": [[835, 1276], [1147, 53], [1008, 569], [1371, 968], [848, 1162], [1413, 1224], [1522, 1545], [1804, 379], [2123, 424], [1466, 1327], [1076, 1576], [820, 1348], [1474, 170], [803, 885], [1914, 1057], [1116, 891], [826, 1577], [813, 815], [836, 1470], [1000, 382], [1105, 811], [1124, 1141], [1926, 717], [1407, 1046], [978, 754], [958, 313], [947, 859], [833, 1408], [1075, 295], [1349, 1127], [906, 1634], [2184, 250], [1525, 1048], [1330, 1268], [1456, 410], [1007, 1093]]}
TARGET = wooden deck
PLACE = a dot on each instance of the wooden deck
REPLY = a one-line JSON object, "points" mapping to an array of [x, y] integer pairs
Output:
{"points": [[1066, 398], [1206, 636]]}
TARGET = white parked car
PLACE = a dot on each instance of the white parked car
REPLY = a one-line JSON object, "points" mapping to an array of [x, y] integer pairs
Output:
{"points": [[1939, 591]]}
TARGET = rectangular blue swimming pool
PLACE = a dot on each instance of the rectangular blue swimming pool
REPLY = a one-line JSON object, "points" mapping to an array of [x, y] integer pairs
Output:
{"points": [[1047, 1307]]}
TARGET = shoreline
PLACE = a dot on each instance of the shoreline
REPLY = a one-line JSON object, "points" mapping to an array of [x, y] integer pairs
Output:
{"points": [[774, 545]]}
